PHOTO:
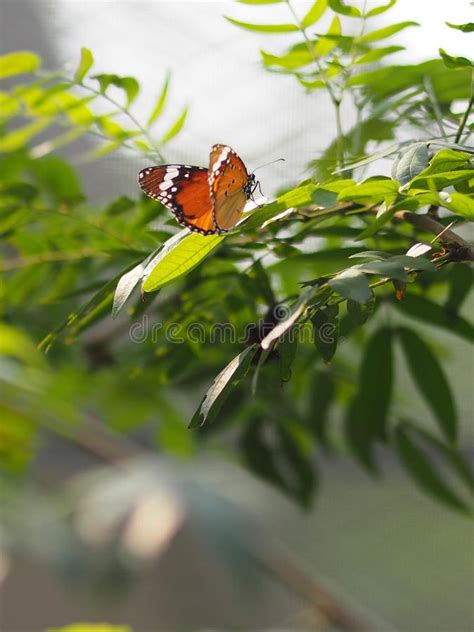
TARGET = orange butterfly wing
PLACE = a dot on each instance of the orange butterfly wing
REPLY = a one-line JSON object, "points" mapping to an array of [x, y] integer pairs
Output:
{"points": [[228, 178], [185, 191]]}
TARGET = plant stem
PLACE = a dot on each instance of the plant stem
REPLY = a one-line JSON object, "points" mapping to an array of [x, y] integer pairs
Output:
{"points": [[466, 114], [336, 101]]}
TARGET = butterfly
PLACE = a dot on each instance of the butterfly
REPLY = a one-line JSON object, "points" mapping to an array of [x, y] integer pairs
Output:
{"points": [[208, 201]]}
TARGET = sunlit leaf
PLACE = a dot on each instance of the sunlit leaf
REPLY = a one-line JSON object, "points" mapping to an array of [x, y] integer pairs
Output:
{"points": [[264, 28], [314, 13], [326, 44], [377, 53], [381, 9], [292, 60], [458, 203], [127, 284], [18, 63], [227, 379], [429, 377], [294, 313], [376, 188], [19, 137], [178, 256], [85, 64], [386, 31]]}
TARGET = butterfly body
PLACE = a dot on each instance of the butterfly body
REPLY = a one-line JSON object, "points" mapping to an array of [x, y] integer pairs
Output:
{"points": [[207, 201]]}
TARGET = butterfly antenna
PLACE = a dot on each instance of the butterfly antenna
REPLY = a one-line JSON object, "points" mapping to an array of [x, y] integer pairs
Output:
{"points": [[269, 163]]}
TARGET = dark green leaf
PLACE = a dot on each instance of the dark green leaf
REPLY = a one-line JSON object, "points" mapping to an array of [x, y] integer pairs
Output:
{"points": [[358, 312], [321, 391], [376, 382], [461, 278], [85, 64], [287, 348], [430, 380], [223, 384], [428, 312], [359, 435], [351, 284], [120, 205], [326, 331], [454, 62], [129, 85], [465, 28], [58, 179], [424, 473], [264, 28]]}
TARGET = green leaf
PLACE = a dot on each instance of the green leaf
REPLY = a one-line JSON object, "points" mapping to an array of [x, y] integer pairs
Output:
{"points": [[322, 392], [178, 256], [18, 63], [410, 163], [381, 9], [58, 179], [359, 435], [326, 331], [19, 137], [423, 473], [293, 314], [454, 62], [461, 277], [376, 225], [430, 380], [376, 189], [326, 44], [377, 53], [458, 203], [264, 28], [315, 13], [290, 61], [351, 284], [85, 64], [465, 28], [376, 382], [128, 282], [176, 127], [359, 313], [451, 456], [446, 160], [386, 31], [287, 348], [161, 102], [227, 380], [428, 312], [338, 6], [129, 85]]}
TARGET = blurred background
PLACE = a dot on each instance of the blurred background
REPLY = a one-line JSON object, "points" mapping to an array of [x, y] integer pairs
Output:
{"points": [[230, 551]]}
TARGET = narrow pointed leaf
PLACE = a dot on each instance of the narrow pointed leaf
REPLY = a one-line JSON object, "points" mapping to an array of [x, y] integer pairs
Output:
{"points": [[176, 127], [284, 325], [227, 379], [430, 380], [264, 28], [315, 12], [383, 33], [381, 9], [85, 64], [161, 102], [338, 6], [18, 63]]}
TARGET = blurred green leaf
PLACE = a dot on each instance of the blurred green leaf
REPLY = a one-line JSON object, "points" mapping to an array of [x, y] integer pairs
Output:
{"points": [[58, 179], [430, 380], [287, 348], [176, 127], [129, 85], [465, 28], [264, 28], [326, 331], [227, 380], [18, 63], [85, 64], [376, 188], [326, 44], [377, 53], [161, 102], [351, 284], [383, 33], [460, 285], [291, 60], [424, 473], [454, 62], [381, 9], [321, 392], [315, 13], [19, 137], [338, 6], [91, 627]]}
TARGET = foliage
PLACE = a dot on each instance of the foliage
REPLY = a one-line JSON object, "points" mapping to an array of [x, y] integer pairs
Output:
{"points": [[305, 303]]}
